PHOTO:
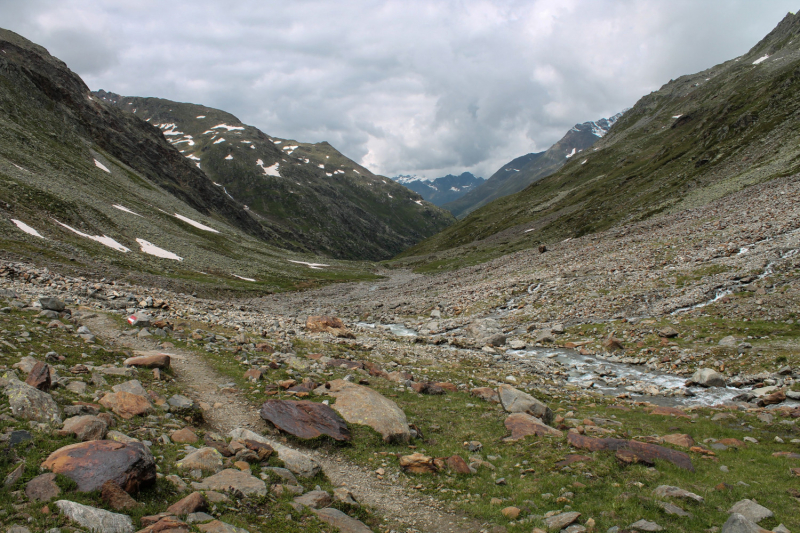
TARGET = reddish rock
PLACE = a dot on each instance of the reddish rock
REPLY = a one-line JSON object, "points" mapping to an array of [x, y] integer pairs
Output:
{"points": [[772, 399], [39, 376], [221, 447], [316, 499], [184, 436], [149, 361], [262, 450], [678, 439], [572, 458], [418, 464], [668, 411], [85, 428], [522, 425], [628, 457], [486, 393], [643, 450], [165, 524], [42, 488], [116, 498], [253, 374], [427, 388], [449, 387], [458, 465], [90, 464], [264, 347], [795, 472], [192, 503], [373, 370], [613, 344], [125, 404], [328, 324], [734, 443], [304, 419]]}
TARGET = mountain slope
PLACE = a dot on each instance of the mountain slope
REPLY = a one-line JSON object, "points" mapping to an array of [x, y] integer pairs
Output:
{"points": [[87, 186], [698, 138], [310, 194], [441, 190], [522, 171]]}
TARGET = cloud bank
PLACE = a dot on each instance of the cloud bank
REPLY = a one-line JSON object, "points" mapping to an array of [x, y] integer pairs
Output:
{"points": [[411, 87]]}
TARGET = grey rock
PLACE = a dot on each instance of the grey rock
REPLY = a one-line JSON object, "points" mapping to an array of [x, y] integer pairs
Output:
{"points": [[180, 402], [498, 339], [77, 387], [706, 377], [560, 521], [516, 401], [644, 525], [52, 304], [729, 341], [340, 520], [95, 520], [133, 386], [676, 492], [141, 320], [205, 459], [673, 509], [283, 473], [738, 523], [297, 462], [233, 479], [198, 518], [30, 403], [18, 529], [751, 510], [314, 499]]}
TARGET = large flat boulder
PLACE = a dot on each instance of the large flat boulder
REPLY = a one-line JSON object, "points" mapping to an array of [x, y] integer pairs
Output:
{"points": [[707, 377], [296, 462], [96, 520], [642, 450], [338, 519], [304, 419], [90, 464], [361, 405], [30, 403], [515, 401], [522, 425], [205, 459], [149, 361]]}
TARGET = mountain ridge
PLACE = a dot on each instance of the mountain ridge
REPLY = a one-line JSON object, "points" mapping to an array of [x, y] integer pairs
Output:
{"points": [[441, 190]]}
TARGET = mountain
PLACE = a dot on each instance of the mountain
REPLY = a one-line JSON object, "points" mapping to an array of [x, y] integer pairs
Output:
{"points": [[441, 190], [522, 171], [313, 196], [696, 139], [94, 189]]}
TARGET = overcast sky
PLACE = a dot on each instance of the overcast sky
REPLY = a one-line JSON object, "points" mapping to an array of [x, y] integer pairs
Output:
{"points": [[425, 88]]}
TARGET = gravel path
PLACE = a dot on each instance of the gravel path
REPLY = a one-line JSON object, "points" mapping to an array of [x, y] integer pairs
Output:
{"points": [[401, 507]]}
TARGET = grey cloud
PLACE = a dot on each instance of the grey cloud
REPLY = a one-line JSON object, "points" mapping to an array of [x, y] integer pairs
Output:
{"points": [[403, 86]]}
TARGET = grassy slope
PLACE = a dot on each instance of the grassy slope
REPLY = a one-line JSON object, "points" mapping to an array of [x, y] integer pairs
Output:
{"points": [[737, 127]]}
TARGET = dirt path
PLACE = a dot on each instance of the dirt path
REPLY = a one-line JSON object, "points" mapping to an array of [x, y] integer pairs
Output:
{"points": [[231, 410]]}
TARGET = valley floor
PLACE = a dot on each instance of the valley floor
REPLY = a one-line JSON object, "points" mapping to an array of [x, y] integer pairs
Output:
{"points": [[604, 329]]}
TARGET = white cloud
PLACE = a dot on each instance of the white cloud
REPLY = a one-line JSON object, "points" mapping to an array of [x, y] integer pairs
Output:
{"points": [[408, 86]]}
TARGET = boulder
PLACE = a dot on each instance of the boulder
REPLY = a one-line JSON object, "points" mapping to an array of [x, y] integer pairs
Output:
{"points": [[643, 450], [184, 436], [498, 339], [52, 304], [96, 520], [679, 439], [116, 498], [676, 492], [560, 521], [205, 459], [458, 465], [30, 403], [42, 488], [645, 525], [184, 407], [706, 377], [85, 428], [294, 461], [751, 510], [235, 480], [304, 419], [125, 404], [516, 401], [729, 341], [90, 464], [418, 463], [39, 377], [149, 361], [668, 332], [190, 504], [486, 393], [338, 519], [328, 324], [140, 320], [315, 499], [738, 523], [361, 405], [522, 425], [133, 386]]}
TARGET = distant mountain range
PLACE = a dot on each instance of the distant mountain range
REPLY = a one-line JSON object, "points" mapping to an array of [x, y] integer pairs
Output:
{"points": [[698, 138], [441, 190], [522, 171]]}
